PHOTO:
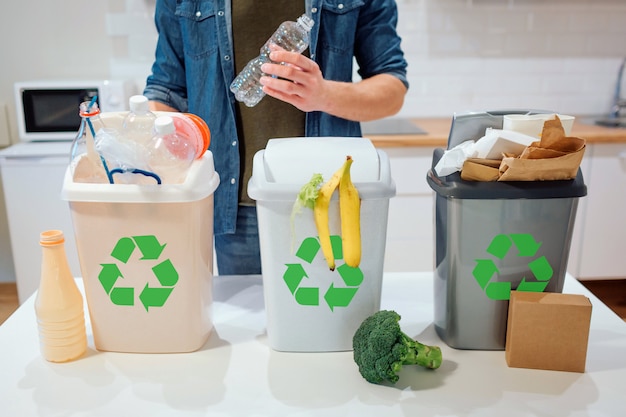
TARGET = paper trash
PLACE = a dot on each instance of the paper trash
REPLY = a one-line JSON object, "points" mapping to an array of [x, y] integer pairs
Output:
{"points": [[493, 146], [554, 157]]}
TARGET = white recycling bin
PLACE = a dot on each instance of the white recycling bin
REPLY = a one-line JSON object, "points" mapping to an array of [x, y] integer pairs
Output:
{"points": [[146, 258], [309, 307]]}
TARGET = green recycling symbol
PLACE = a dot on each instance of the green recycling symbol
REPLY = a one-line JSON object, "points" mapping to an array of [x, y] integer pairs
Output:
{"points": [[499, 247], [310, 296], [164, 271]]}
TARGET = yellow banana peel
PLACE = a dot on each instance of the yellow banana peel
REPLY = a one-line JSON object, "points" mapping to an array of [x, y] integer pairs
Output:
{"points": [[350, 213]]}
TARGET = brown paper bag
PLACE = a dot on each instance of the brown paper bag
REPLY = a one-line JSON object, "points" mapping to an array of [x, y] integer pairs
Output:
{"points": [[563, 167], [554, 157]]}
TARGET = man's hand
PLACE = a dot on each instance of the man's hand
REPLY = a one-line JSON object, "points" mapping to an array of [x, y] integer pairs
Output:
{"points": [[300, 82]]}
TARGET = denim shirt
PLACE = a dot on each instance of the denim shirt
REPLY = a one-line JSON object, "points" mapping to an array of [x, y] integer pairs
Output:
{"points": [[194, 67]]}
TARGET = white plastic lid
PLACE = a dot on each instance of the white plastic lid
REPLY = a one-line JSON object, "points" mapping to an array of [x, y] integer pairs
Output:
{"points": [[138, 104], [164, 125], [295, 160], [285, 165]]}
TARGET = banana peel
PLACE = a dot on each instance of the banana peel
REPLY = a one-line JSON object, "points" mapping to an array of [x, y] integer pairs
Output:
{"points": [[350, 213], [350, 216]]}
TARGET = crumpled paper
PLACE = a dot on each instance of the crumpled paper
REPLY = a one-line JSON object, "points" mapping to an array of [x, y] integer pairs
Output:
{"points": [[493, 145]]}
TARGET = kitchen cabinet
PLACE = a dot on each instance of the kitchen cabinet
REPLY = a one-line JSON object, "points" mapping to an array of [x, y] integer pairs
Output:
{"points": [[597, 249], [32, 176]]}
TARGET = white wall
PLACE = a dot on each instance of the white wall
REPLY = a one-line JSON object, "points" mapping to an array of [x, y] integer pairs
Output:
{"points": [[463, 55]]}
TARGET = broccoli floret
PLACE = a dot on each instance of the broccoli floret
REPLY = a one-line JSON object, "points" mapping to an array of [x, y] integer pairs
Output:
{"points": [[381, 348]]}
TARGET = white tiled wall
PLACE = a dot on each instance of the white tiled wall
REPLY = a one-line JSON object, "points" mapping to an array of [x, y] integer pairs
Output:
{"points": [[560, 55]]}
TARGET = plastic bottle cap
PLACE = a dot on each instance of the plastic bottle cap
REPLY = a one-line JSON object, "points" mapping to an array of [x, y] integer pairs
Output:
{"points": [[85, 111], [51, 237], [164, 125], [306, 22], [138, 104]]}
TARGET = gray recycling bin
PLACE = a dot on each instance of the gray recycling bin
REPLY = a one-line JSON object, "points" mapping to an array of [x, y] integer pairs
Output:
{"points": [[494, 237]]}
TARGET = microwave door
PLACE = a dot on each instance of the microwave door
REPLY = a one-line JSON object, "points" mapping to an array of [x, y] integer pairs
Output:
{"points": [[53, 114]]}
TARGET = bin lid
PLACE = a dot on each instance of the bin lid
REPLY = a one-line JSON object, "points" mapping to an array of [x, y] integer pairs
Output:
{"points": [[286, 164], [201, 181], [453, 186]]}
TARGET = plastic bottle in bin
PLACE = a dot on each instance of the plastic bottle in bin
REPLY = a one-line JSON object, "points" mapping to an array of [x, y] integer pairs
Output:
{"points": [[138, 125], [85, 162], [171, 152], [291, 36], [59, 303]]}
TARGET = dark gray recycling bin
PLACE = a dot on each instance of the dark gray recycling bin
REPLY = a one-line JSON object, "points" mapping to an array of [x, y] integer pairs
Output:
{"points": [[494, 237]]}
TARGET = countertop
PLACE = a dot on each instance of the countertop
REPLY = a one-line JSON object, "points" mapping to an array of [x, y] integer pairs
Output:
{"points": [[437, 130], [236, 373]]}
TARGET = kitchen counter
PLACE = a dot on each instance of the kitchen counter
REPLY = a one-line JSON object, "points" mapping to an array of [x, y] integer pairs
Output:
{"points": [[236, 373], [437, 130]]}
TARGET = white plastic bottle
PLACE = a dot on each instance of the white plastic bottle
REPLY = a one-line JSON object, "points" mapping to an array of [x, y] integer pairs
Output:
{"points": [[171, 153], [138, 125], [59, 304], [291, 36]]}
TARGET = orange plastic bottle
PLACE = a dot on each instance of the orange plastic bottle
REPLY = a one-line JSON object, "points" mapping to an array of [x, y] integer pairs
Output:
{"points": [[59, 303]]}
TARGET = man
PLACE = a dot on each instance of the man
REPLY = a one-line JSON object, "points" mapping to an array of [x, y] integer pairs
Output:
{"points": [[202, 46]]}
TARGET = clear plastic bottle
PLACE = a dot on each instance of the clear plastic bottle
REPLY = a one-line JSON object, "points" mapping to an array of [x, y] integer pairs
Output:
{"points": [[291, 36], [170, 152], [59, 304], [85, 162], [138, 125]]}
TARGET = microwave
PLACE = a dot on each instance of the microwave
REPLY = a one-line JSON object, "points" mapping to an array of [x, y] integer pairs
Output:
{"points": [[48, 110]]}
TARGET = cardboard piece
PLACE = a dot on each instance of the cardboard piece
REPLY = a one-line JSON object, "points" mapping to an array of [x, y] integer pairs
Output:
{"points": [[479, 169], [547, 331]]}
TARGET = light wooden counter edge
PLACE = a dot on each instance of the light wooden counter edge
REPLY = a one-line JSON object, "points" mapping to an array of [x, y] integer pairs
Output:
{"points": [[437, 130]]}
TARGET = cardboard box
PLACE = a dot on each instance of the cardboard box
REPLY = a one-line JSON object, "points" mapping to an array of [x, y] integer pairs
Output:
{"points": [[547, 331]]}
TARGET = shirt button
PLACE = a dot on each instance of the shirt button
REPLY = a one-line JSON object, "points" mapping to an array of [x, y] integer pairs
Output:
{"points": [[234, 143], [232, 181], [198, 13], [314, 10], [220, 13], [340, 6], [227, 57]]}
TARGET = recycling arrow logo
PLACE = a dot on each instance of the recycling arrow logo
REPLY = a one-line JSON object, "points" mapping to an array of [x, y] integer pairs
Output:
{"points": [[334, 296], [499, 247], [150, 250]]}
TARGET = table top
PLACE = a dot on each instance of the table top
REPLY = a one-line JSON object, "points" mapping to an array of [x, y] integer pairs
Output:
{"points": [[236, 373]]}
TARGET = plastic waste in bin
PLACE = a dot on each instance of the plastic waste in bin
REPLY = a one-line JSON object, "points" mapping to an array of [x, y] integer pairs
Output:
{"points": [[494, 237], [146, 258], [310, 308]]}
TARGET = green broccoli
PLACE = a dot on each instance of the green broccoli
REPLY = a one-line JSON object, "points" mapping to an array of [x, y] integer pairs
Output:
{"points": [[381, 348]]}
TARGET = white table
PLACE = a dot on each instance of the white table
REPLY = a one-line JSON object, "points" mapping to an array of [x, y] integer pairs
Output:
{"points": [[237, 374]]}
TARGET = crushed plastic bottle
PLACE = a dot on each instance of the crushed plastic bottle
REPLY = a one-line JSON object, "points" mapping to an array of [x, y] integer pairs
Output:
{"points": [[291, 36], [124, 156]]}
